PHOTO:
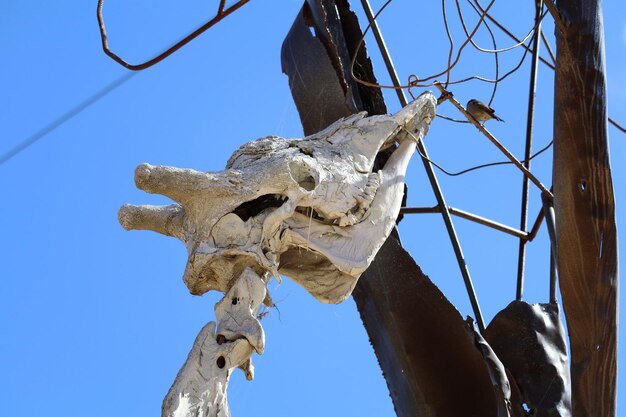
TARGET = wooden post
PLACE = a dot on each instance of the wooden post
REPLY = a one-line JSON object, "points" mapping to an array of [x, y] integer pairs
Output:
{"points": [[585, 207]]}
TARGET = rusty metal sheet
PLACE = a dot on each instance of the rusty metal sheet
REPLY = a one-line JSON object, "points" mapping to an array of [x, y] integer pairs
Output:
{"points": [[530, 341], [497, 372], [316, 58], [372, 99], [430, 362]]}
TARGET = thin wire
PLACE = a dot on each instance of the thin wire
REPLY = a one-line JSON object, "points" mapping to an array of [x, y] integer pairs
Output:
{"points": [[487, 80], [495, 82], [358, 47], [494, 50], [542, 59], [513, 70], [493, 41], [465, 171], [614, 123], [221, 14], [479, 12], [65, 117], [449, 35], [415, 82], [463, 45]]}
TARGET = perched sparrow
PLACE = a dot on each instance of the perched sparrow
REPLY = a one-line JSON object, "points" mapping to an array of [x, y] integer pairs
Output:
{"points": [[481, 111]]}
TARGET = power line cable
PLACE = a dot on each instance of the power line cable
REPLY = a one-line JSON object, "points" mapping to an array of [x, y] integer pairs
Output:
{"points": [[65, 117]]}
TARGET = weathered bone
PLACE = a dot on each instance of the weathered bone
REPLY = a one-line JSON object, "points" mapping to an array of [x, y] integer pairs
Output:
{"points": [[200, 386], [167, 220], [311, 209], [237, 312]]}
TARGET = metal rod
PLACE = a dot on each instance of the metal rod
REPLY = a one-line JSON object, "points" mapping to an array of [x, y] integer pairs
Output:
{"points": [[548, 209], [469, 286], [468, 216], [420, 210], [536, 225], [547, 45], [221, 14], [489, 223], [532, 93], [384, 52], [448, 95], [556, 15], [553, 273]]}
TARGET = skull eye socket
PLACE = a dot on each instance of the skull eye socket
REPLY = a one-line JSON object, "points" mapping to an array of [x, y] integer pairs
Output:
{"points": [[303, 175], [308, 183], [253, 207]]}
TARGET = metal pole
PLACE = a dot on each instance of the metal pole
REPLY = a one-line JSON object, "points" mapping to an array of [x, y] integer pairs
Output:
{"points": [[468, 216], [548, 209], [535, 229], [521, 259], [384, 51], [469, 286], [553, 273]]}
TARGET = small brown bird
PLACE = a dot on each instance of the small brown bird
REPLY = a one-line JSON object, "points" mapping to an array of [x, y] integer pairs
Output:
{"points": [[480, 111]]}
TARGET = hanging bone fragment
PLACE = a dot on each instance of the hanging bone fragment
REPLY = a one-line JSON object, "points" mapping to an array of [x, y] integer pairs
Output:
{"points": [[200, 386], [313, 209]]}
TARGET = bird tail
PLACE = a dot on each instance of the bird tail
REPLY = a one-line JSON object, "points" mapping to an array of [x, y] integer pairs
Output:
{"points": [[498, 118]]}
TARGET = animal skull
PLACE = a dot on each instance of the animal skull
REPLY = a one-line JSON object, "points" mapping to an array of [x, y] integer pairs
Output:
{"points": [[312, 209]]}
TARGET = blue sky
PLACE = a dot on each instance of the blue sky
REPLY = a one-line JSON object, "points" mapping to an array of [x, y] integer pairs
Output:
{"points": [[96, 321]]}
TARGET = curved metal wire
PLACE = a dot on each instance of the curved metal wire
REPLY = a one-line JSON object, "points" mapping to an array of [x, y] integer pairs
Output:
{"points": [[222, 12]]}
